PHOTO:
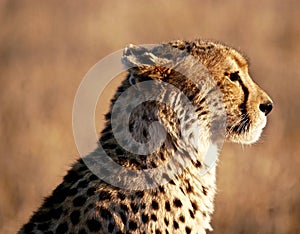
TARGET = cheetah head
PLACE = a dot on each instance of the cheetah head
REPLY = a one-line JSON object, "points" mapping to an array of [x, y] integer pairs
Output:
{"points": [[246, 104]]}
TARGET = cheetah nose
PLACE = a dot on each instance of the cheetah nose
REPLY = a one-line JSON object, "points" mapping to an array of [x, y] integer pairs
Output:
{"points": [[266, 107]]}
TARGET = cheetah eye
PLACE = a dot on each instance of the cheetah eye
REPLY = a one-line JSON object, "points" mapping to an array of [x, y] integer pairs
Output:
{"points": [[233, 76]]}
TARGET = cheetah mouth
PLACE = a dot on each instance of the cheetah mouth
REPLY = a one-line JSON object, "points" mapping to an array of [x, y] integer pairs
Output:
{"points": [[241, 127], [246, 131]]}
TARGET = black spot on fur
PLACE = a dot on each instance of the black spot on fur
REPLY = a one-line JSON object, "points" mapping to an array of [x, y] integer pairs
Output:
{"points": [[75, 216], [189, 188], [93, 225], [166, 221], [181, 189], [121, 196], [132, 226], [72, 192], [188, 230], [124, 207], [177, 203], [145, 218], [79, 201], [93, 177], [104, 195], [119, 151], [192, 95], [55, 213], [72, 176], [91, 191], [155, 205], [172, 182], [194, 205], [105, 214], [82, 231], [197, 164], [83, 184], [203, 113], [139, 194], [175, 224], [182, 219], [134, 162], [153, 217], [153, 164], [62, 228], [109, 146], [191, 214], [162, 156], [123, 217], [161, 189], [167, 206], [204, 190], [111, 227], [145, 133], [43, 226], [131, 126], [134, 207]]}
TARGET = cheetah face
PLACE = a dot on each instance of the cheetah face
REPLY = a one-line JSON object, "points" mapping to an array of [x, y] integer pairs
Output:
{"points": [[247, 105]]}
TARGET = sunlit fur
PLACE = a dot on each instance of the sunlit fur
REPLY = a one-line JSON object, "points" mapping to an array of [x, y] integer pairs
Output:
{"points": [[85, 203]]}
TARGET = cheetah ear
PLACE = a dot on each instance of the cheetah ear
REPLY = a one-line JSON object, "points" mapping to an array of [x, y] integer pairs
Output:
{"points": [[139, 60], [142, 57], [137, 57]]}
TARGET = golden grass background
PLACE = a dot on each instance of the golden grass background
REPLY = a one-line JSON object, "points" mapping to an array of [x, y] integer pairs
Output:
{"points": [[46, 47]]}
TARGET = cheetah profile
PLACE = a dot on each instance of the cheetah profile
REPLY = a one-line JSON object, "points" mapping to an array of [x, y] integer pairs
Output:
{"points": [[84, 203]]}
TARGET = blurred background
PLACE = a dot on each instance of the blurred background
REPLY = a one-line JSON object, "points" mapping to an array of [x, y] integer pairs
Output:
{"points": [[46, 48]]}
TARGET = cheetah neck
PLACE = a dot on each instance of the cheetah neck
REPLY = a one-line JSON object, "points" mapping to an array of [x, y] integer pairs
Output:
{"points": [[163, 128]]}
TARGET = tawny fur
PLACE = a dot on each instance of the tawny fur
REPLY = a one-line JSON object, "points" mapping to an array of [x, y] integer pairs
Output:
{"points": [[83, 203]]}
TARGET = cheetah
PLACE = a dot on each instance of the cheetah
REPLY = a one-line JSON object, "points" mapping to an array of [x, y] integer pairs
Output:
{"points": [[184, 202]]}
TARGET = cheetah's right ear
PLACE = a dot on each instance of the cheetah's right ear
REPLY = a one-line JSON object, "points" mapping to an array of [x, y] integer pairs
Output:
{"points": [[141, 57], [136, 56], [139, 60]]}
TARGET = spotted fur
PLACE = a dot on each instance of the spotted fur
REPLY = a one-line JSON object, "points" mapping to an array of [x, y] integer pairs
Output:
{"points": [[83, 203]]}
